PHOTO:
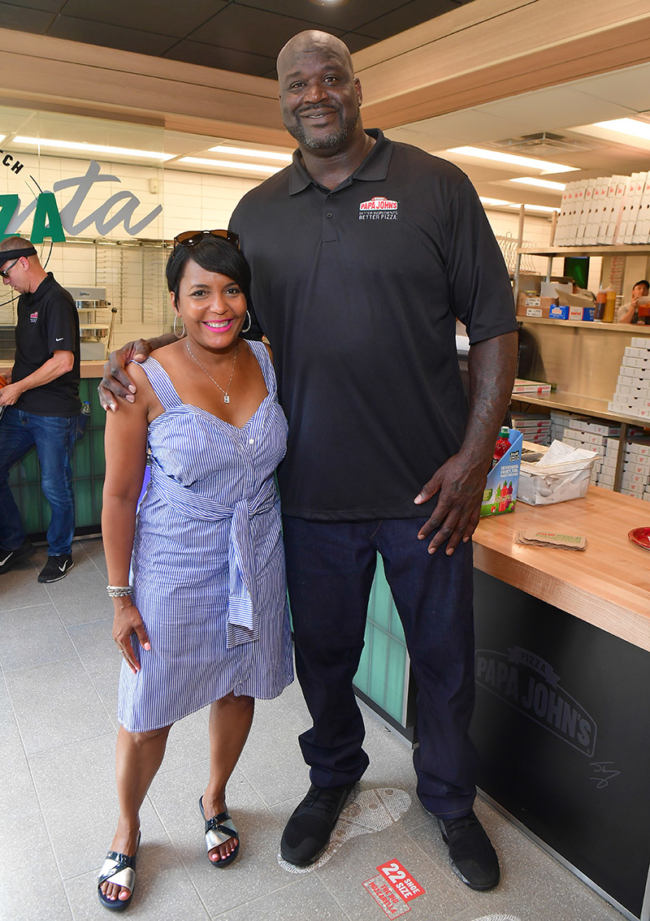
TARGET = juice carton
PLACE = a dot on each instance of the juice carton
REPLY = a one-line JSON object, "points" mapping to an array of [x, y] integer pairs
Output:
{"points": [[500, 492]]}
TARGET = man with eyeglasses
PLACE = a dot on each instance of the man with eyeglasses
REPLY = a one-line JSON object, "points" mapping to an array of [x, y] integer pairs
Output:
{"points": [[41, 406], [363, 253]]}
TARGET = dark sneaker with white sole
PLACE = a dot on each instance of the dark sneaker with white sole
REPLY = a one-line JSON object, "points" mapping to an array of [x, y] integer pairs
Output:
{"points": [[473, 858], [11, 558], [56, 568], [309, 829]]}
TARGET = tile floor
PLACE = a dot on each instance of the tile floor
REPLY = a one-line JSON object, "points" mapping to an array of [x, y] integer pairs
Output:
{"points": [[58, 805]]}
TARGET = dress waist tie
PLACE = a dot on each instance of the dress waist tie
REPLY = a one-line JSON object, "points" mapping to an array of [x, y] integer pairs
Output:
{"points": [[243, 624]]}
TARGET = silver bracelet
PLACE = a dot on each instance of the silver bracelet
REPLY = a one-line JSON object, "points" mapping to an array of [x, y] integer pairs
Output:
{"points": [[119, 591]]}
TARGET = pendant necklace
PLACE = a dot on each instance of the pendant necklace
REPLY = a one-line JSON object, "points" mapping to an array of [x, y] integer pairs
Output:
{"points": [[226, 398]]}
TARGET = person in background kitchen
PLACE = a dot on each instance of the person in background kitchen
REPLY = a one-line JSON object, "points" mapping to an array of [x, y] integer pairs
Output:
{"points": [[630, 312], [41, 406]]}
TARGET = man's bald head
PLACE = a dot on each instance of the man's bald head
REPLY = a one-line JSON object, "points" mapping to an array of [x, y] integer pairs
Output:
{"points": [[319, 94], [313, 42]]}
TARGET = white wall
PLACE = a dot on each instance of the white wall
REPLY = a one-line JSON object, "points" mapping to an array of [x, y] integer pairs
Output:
{"points": [[131, 269]]}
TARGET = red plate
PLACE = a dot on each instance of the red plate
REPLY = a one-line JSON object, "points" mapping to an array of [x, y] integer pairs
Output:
{"points": [[641, 536]]}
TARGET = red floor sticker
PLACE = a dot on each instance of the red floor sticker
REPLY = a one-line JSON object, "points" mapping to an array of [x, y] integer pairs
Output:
{"points": [[401, 880], [386, 897]]}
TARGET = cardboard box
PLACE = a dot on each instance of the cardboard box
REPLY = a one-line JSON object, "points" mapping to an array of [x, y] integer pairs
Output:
{"points": [[581, 313], [637, 374], [559, 313], [638, 449], [500, 493], [528, 306], [633, 489], [633, 352], [637, 465], [642, 364], [556, 290], [595, 428]]}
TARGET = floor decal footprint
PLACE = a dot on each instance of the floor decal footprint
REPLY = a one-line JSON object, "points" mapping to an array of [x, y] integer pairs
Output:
{"points": [[497, 918], [367, 811]]}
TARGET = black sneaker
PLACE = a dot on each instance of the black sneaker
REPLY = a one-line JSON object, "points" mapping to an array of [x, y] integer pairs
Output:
{"points": [[57, 567], [473, 858], [10, 558], [310, 827]]}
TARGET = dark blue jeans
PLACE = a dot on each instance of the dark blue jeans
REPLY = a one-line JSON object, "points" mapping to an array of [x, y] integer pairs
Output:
{"points": [[330, 569], [54, 437]]}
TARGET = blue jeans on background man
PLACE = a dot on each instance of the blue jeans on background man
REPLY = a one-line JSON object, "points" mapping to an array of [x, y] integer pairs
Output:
{"points": [[330, 570], [54, 437]]}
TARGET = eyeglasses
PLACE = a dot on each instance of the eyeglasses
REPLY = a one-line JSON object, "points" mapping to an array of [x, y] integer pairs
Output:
{"points": [[192, 237], [5, 272]]}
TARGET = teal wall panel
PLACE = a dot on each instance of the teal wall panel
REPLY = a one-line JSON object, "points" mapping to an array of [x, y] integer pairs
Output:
{"points": [[382, 670]]}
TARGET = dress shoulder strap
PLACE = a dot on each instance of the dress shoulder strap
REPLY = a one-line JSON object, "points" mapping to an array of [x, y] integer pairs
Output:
{"points": [[260, 351], [161, 383]]}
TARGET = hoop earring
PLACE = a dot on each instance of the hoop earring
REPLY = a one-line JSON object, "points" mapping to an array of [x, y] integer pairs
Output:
{"points": [[250, 323], [175, 330]]}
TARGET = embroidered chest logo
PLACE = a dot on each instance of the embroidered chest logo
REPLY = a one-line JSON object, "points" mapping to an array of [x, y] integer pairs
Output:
{"points": [[379, 209], [33, 317]]}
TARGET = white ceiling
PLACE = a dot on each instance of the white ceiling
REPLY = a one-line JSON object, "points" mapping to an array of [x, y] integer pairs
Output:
{"points": [[569, 110]]}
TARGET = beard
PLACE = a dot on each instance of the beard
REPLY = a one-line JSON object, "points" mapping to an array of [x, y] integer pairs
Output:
{"points": [[330, 141]]}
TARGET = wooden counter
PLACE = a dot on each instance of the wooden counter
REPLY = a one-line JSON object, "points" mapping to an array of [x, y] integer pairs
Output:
{"points": [[563, 640], [607, 585]]}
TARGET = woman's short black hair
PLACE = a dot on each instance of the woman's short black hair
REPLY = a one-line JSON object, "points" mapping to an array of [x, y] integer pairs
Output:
{"points": [[214, 254], [644, 281]]}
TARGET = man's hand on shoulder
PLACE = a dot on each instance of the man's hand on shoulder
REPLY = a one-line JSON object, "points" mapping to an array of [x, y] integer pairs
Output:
{"points": [[116, 382]]}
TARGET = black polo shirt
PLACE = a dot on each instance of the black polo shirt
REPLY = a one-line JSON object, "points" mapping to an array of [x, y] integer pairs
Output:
{"points": [[48, 322], [358, 290]]}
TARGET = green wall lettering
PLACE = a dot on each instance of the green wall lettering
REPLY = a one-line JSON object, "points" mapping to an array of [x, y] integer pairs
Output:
{"points": [[47, 207], [9, 204]]}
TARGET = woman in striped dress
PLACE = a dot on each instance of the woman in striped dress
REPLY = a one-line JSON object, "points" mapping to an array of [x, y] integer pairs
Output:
{"points": [[197, 577]]}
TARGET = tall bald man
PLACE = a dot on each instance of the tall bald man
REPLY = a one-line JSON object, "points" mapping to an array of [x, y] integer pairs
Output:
{"points": [[364, 252], [41, 406]]}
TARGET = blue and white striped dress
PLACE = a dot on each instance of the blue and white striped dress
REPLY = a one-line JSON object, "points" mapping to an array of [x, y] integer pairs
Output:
{"points": [[208, 562]]}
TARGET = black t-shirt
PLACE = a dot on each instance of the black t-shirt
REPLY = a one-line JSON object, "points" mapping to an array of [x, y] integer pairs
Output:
{"points": [[48, 322], [358, 290]]}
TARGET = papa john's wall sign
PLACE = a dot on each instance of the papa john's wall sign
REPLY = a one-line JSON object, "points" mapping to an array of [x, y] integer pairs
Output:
{"points": [[530, 685]]}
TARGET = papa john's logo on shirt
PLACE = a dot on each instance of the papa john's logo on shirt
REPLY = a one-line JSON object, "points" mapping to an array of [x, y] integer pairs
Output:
{"points": [[33, 317], [379, 209]]}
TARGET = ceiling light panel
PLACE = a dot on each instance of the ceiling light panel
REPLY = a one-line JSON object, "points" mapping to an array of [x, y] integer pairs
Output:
{"points": [[631, 126], [541, 183], [91, 148], [512, 160], [543, 208], [230, 164], [494, 201], [247, 152], [499, 203]]}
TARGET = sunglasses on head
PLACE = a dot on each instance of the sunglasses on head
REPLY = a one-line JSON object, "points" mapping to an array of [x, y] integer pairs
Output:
{"points": [[5, 272], [192, 237]]}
